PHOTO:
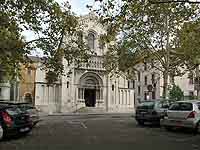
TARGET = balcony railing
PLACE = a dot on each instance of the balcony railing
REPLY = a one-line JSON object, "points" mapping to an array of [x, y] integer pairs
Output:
{"points": [[94, 63]]}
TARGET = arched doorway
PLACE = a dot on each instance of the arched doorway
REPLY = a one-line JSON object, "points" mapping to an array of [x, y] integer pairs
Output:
{"points": [[90, 86], [28, 98]]}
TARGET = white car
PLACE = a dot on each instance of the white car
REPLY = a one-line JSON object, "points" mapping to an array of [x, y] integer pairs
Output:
{"points": [[183, 114]]}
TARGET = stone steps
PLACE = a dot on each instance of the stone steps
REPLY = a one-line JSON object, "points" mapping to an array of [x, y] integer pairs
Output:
{"points": [[91, 110]]}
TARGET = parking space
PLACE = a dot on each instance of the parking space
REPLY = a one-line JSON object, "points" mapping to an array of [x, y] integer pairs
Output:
{"points": [[100, 132]]}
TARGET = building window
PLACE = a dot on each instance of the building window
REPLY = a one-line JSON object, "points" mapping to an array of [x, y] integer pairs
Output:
{"points": [[134, 99], [0, 91], [67, 84], [139, 76], [80, 93], [128, 84], [133, 82], [139, 90], [145, 66], [145, 80], [43, 94], [153, 78], [91, 40], [191, 78], [113, 87]]}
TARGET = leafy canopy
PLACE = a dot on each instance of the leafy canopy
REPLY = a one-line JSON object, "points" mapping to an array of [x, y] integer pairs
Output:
{"points": [[52, 25], [189, 41], [145, 31]]}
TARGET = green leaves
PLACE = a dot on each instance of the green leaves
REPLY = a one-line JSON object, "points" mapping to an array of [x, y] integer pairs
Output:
{"points": [[189, 43], [52, 25], [176, 93], [147, 30]]}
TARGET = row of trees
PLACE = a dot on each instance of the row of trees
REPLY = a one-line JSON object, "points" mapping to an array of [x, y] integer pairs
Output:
{"points": [[144, 30], [137, 31]]}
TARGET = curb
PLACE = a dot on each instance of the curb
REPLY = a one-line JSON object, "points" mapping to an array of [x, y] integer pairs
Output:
{"points": [[90, 114]]}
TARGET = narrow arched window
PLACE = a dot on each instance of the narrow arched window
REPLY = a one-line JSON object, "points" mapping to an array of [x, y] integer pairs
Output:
{"points": [[91, 40]]}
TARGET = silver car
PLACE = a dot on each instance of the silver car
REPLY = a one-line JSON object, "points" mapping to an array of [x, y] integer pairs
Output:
{"points": [[183, 114]]}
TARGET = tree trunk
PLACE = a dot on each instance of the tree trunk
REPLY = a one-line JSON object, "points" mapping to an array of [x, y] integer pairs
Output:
{"points": [[166, 67], [165, 84]]}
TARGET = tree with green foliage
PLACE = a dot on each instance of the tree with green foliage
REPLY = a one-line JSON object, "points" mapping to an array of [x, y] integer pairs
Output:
{"points": [[189, 48], [56, 31], [175, 93], [143, 30]]}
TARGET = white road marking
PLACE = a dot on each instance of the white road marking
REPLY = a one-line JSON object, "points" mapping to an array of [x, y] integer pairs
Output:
{"points": [[77, 123], [83, 125]]}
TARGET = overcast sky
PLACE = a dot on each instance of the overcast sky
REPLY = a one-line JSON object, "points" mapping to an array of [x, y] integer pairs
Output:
{"points": [[78, 6]]}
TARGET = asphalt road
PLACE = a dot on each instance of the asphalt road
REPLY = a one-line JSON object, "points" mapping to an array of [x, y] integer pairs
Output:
{"points": [[100, 132]]}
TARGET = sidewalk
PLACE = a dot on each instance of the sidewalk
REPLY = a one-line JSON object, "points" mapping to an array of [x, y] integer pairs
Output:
{"points": [[42, 114]]}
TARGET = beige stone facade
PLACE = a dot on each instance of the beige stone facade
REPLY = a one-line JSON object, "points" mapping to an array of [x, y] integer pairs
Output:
{"points": [[89, 88]]}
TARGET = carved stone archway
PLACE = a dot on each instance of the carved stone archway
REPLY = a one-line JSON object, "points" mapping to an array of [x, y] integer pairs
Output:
{"points": [[90, 88]]}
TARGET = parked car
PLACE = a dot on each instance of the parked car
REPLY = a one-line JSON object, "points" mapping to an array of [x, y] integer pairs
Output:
{"points": [[151, 111], [13, 121], [31, 110], [183, 114], [25, 107]]}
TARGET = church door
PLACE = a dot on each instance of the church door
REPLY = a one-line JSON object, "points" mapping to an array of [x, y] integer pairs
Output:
{"points": [[90, 97]]}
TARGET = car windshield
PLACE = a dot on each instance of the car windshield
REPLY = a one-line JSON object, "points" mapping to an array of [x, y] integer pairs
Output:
{"points": [[13, 111], [25, 107], [181, 106], [147, 105]]}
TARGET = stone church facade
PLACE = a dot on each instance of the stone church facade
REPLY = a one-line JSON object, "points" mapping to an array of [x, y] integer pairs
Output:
{"points": [[87, 87]]}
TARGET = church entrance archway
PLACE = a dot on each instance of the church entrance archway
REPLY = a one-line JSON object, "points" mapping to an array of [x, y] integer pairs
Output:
{"points": [[90, 89], [28, 98], [90, 97]]}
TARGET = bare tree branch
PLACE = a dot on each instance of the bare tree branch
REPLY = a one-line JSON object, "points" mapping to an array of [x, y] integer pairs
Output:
{"points": [[35, 40]]}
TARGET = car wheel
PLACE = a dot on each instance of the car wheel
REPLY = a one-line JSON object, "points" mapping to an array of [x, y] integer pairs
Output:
{"points": [[140, 122], [1, 132], [168, 128], [156, 123]]}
